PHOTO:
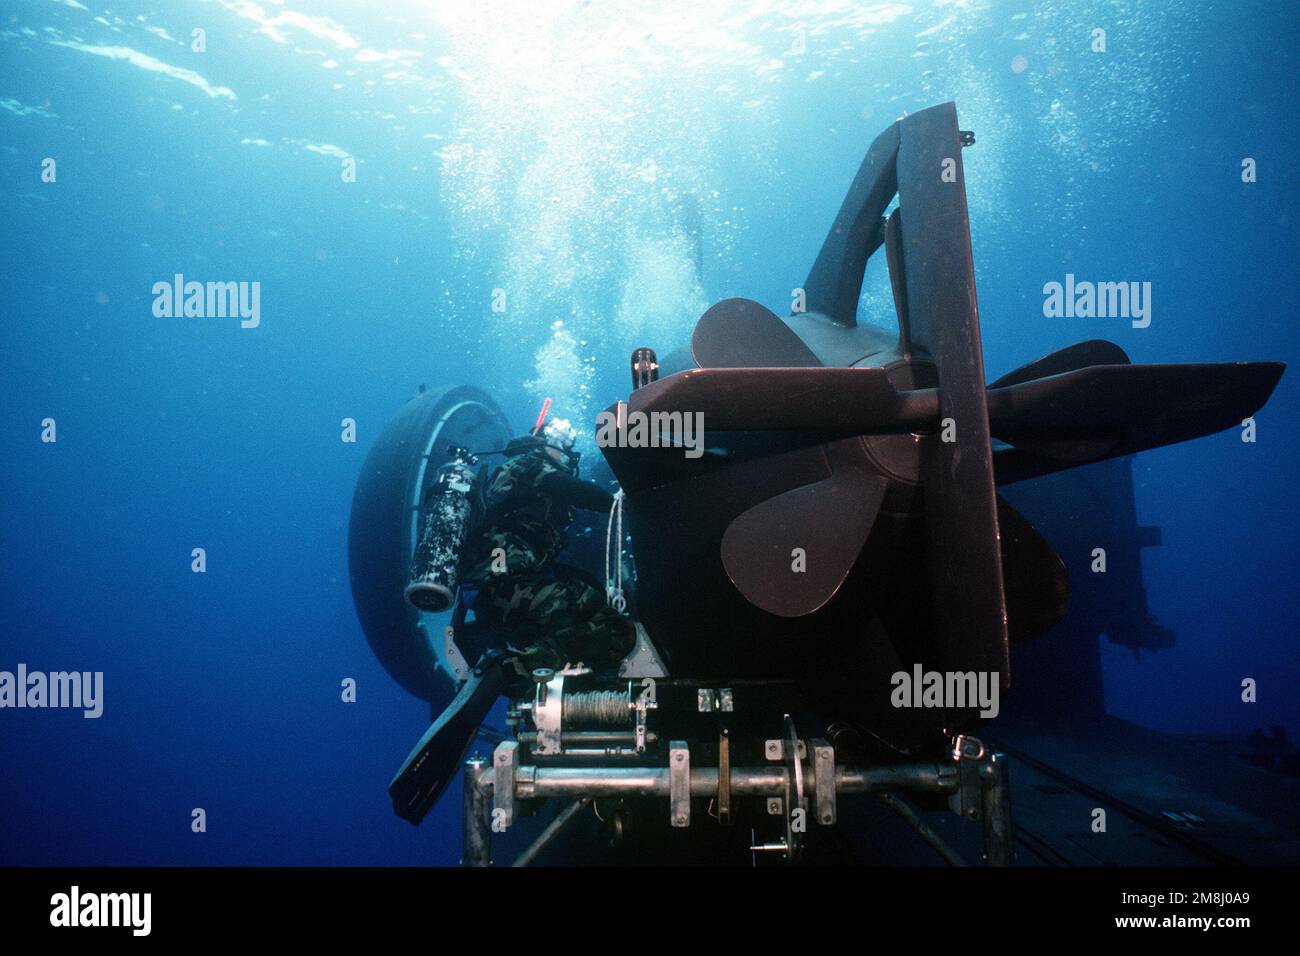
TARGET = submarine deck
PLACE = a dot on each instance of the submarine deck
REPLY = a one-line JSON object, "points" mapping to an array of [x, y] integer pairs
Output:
{"points": [[1170, 800]]}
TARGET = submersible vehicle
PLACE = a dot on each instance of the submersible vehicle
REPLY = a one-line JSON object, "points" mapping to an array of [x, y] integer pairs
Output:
{"points": [[842, 526]]}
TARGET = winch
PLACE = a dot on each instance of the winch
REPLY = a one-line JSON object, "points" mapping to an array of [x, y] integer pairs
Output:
{"points": [[605, 721]]}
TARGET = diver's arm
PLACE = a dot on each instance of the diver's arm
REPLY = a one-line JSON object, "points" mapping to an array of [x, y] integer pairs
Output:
{"points": [[576, 492]]}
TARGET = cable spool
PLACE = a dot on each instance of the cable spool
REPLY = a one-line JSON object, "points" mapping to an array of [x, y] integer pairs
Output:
{"points": [[597, 709]]}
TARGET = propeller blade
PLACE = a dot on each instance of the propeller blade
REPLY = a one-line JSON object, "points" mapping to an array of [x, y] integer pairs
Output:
{"points": [[828, 519], [840, 401], [1036, 581], [1079, 355], [1108, 410], [741, 333]]}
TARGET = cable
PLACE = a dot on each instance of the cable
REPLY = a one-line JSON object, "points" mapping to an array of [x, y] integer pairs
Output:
{"points": [[614, 596]]}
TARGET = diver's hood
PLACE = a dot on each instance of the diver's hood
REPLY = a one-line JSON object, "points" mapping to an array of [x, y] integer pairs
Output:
{"points": [[537, 444]]}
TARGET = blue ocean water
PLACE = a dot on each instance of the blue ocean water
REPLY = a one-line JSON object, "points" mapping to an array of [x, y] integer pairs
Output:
{"points": [[612, 169]]}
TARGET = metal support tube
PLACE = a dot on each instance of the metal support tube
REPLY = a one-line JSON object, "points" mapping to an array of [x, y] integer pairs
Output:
{"points": [[538, 782], [995, 810], [928, 777], [477, 833], [551, 832], [923, 829]]}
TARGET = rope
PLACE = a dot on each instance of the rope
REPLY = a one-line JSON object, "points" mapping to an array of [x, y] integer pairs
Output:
{"points": [[614, 584]]}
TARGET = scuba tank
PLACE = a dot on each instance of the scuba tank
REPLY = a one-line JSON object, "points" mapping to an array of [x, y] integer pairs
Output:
{"points": [[452, 508]]}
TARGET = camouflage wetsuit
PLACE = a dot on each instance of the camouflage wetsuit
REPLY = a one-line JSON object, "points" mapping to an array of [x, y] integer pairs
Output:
{"points": [[549, 619]]}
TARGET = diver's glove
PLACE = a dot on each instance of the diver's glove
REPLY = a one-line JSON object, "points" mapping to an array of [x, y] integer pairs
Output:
{"points": [[570, 490]]}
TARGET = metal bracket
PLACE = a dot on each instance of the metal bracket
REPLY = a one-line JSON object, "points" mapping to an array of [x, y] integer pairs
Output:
{"points": [[451, 653], [709, 700], [548, 713], [724, 777], [966, 137], [795, 800], [505, 760], [679, 783], [643, 660], [824, 781], [641, 702], [969, 754], [774, 750]]}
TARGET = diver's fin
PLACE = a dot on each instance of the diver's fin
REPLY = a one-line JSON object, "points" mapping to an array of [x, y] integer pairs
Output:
{"points": [[741, 333], [1079, 355], [1109, 410], [834, 284], [434, 761], [828, 521]]}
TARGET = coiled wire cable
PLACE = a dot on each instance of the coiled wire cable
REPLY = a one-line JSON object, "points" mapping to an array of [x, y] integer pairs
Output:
{"points": [[614, 596]]}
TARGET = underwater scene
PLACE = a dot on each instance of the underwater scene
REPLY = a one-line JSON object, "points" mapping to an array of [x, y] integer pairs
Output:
{"points": [[636, 433]]}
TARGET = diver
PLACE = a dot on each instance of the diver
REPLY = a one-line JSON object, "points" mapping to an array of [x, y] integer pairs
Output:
{"points": [[497, 553], [548, 614]]}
